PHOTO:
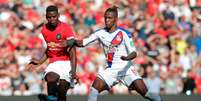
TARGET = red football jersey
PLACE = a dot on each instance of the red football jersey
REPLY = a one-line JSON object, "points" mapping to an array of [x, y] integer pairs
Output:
{"points": [[55, 50]]}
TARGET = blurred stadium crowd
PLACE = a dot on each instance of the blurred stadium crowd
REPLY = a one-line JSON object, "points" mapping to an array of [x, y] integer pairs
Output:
{"points": [[167, 34]]}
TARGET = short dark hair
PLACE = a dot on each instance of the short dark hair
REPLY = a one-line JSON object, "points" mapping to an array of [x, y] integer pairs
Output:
{"points": [[113, 9], [52, 8]]}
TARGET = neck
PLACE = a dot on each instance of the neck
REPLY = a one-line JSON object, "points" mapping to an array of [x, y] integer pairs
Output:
{"points": [[52, 27], [112, 29]]}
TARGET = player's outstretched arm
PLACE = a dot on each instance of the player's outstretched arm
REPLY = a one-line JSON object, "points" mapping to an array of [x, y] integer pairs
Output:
{"points": [[73, 42], [131, 56]]}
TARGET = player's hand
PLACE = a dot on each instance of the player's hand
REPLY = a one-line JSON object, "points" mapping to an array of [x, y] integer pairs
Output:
{"points": [[124, 58], [79, 43], [73, 79], [32, 65], [74, 76]]}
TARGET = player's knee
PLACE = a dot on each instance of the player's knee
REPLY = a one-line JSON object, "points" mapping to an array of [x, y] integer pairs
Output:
{"points": [[100, 85], [51, 77], [63, 82], [139, 86], [143, 91]]}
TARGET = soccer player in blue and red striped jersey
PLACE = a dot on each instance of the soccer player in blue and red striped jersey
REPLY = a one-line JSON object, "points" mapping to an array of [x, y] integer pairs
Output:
{"points": [[119, 50]]}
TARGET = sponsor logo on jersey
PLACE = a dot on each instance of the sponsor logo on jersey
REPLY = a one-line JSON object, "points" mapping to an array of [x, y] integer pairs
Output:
{"points": [[112, 48], [117, 39], [51, 44], [54, 45]]}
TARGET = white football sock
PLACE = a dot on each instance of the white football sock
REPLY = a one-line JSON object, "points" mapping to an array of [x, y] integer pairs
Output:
{"points": [[93, 95], [154, 97]]}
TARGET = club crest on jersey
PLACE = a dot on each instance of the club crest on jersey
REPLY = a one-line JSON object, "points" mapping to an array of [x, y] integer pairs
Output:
{"points": [[117, 39], [58, 36]]}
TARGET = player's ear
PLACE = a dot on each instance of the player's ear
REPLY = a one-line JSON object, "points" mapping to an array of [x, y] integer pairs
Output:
{"points": [[116, 20], [46, 15]]}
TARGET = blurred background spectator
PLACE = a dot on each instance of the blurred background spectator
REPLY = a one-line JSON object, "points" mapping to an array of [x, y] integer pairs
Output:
{"points": [[167, 34]]}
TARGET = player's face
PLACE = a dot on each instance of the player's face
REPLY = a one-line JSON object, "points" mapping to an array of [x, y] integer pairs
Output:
{"points": [[52, 18], [110, 19]]}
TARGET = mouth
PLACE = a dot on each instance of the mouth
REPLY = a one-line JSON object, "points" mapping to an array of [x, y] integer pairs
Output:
{"points": [[53, 23]]}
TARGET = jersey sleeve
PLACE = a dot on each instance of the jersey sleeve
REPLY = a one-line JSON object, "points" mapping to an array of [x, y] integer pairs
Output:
{"points": [[130, 47], [42, 36], [43, 40], [43, 30], [69, 33], [91, 38]]}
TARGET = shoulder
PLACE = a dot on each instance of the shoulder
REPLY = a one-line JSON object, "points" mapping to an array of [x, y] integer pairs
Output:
{"points": [[63, 24], [98, 31], [43, 28], [66, 27], [126, 32]]}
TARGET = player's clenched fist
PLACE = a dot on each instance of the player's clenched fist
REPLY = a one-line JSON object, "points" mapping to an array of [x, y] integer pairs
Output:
{"points": [[32, 65]]}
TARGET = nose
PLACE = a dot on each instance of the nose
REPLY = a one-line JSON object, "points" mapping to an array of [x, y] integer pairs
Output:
{"points": [[51, 18], [107, 19]]}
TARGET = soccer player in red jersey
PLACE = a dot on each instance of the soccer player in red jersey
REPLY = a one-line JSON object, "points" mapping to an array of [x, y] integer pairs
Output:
{"points": [[62, 59]]}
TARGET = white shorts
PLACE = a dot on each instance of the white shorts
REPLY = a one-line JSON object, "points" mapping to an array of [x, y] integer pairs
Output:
{"points": [[126, 75], [62, 68]]}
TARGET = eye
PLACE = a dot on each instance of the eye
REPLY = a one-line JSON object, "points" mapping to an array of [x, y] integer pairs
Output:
{"points": [[54, 16], [49, 17]]}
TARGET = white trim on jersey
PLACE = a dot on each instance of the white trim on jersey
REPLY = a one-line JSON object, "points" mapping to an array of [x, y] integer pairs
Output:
{"points": [[72, 37]]}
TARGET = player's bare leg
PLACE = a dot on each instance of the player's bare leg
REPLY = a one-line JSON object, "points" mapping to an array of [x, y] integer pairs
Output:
{"points": [[141, 88], [52, 87], [62, 89], [98, 86]]}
